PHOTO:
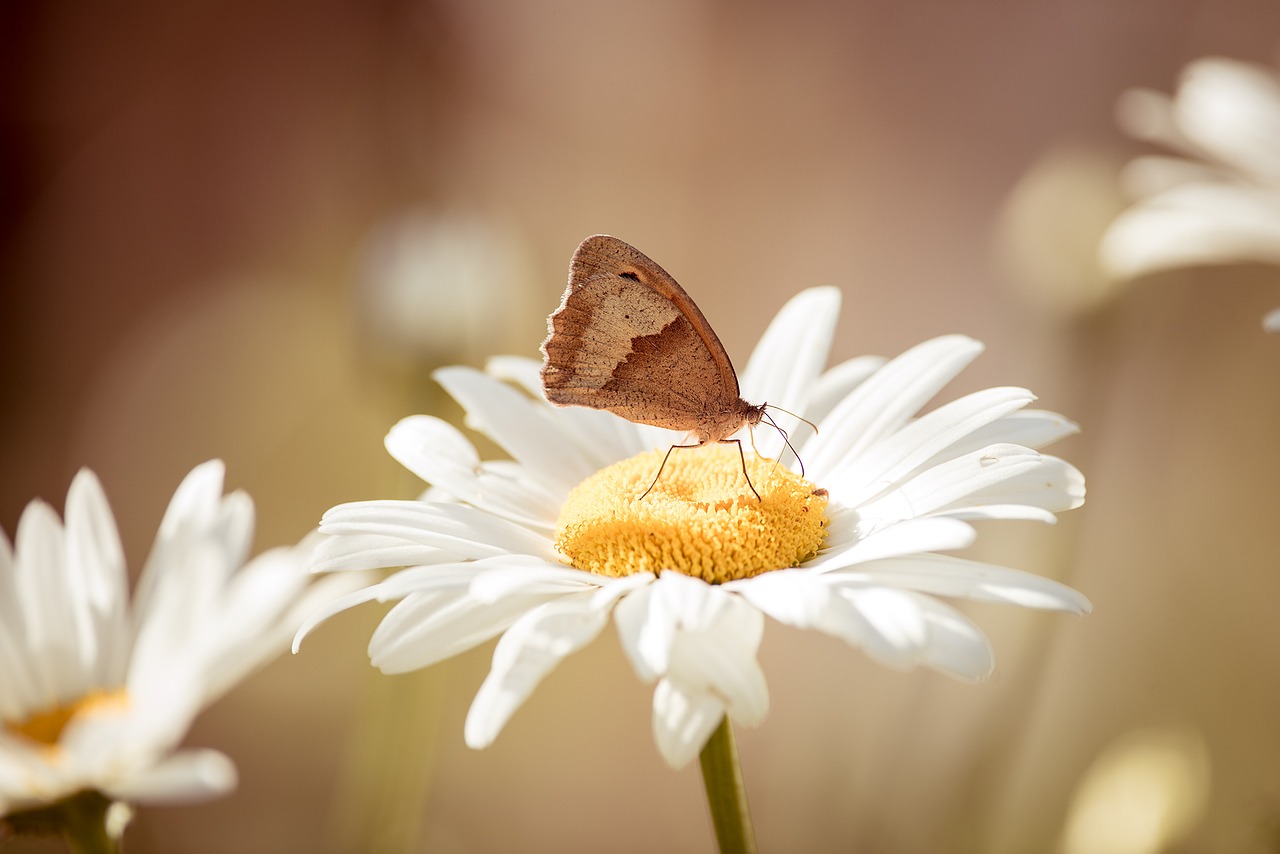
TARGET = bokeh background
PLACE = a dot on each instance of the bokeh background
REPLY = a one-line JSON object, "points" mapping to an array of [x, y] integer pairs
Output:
{"points": [[250, 230]]}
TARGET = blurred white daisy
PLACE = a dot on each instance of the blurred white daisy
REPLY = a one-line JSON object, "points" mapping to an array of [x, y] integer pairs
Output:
{"points": [[96, 692], [1219, 201], [548, 548]]}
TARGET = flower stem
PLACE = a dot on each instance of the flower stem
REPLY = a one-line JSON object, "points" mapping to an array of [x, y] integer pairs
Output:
{"points": [[726, 794], [87, 826], [88, 821]]}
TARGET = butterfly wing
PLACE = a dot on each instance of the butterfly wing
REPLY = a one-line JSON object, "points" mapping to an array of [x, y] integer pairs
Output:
{"points": [[627, 338]]}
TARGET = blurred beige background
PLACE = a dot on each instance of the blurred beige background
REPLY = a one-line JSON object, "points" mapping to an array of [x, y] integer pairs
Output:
{"points": [[249, 230]]}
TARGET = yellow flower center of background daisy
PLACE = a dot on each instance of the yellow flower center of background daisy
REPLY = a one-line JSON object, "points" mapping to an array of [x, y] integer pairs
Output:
{"points": [[701, 518], [46, 727]]}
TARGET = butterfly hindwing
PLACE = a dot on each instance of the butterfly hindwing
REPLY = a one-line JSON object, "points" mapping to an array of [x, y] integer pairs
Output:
{"points": [[627, 338]]}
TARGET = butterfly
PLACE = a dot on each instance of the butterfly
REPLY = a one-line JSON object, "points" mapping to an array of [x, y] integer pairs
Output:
{"points": [[628, 339]]}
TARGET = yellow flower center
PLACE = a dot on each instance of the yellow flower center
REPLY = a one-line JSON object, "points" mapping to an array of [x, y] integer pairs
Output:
{"points": [[46, 727], [701, 517]]}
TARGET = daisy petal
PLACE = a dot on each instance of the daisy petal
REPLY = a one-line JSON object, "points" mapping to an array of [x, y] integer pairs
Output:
{"points": [[1035, 493], [887, 623], [1191, 225], [955, 646], [836, 384], [886, 400], [427, 627], [456, 528], [524, 428], [893, 459], [186, 777], [439, 454], [42, 584], [527, 652], [945, 575], [605, 437], [354, 552], [683, 720], [789, 359], [1030, 428], [948, 483], [1231, 109], [911, 536]]}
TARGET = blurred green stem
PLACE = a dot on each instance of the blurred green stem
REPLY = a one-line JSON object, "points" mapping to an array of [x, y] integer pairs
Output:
{"points": [[726, 794], [88, 821], [87, 829]]}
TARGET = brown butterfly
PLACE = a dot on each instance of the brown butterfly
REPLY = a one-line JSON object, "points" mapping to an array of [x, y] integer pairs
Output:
{"points": [[627, 338]]}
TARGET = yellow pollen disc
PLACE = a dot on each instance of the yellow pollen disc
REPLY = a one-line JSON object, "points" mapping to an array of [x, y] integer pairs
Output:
{"points": [[701, 518], [46, 727]]}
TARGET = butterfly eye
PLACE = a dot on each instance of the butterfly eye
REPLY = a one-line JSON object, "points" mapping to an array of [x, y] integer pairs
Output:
{"points": [[630, 275]]}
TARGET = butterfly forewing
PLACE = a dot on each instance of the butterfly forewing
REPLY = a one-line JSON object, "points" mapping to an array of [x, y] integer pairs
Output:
{"points": [[627, 338]]}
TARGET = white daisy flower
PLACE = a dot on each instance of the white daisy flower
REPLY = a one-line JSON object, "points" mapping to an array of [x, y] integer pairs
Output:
{"points": [[1219, 201], [97, 692], [548, 548]]}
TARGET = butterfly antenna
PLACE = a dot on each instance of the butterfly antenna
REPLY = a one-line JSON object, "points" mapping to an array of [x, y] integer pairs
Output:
{"points": [[793, 415], [785, 438]]}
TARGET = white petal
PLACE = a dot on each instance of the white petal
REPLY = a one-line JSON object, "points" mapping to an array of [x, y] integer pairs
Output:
{"points": [[789, 358], [886, 400], [1191, 225], [186, 777], [951, 576], [1148, 115], [605, 437], [910, 536], [836, 383], [652, 620], [455, 528], [1154, 173], [43, 589], [337, 606], [93, 544], [524, 428], [721, 661], [1232, 110], [527, 652], [894, 458], [949, 483], [887, 623], [1036, 493], [528, 575], [955, 645], [437, 452], [1272, 321], [430, 626], [645, 633], [1030, 428], [434, 450], [683, 720], [371, 551], [795, 597]]}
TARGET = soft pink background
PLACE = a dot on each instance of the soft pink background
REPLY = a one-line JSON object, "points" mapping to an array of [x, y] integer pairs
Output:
{"points": [[190, 196]]}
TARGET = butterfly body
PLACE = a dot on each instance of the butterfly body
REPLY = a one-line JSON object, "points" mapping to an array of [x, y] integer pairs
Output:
{"points": [[627, 338]]}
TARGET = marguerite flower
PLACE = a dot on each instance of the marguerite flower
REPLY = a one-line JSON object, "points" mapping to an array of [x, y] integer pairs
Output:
{"points": [[96, 692], [1219, 201], [549, 548]]}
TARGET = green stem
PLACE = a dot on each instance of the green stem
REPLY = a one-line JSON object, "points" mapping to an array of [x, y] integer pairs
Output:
{"points": [[85, 820], [86, 827], [726, 794]]}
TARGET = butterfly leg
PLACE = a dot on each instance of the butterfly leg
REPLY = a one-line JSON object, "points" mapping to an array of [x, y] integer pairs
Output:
{"points": [[742, 456], [664, 465]]}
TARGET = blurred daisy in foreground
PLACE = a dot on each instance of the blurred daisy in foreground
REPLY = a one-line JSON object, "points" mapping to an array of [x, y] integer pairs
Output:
{"points": [[550, 547], [1219, 201], [96, 692]]}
